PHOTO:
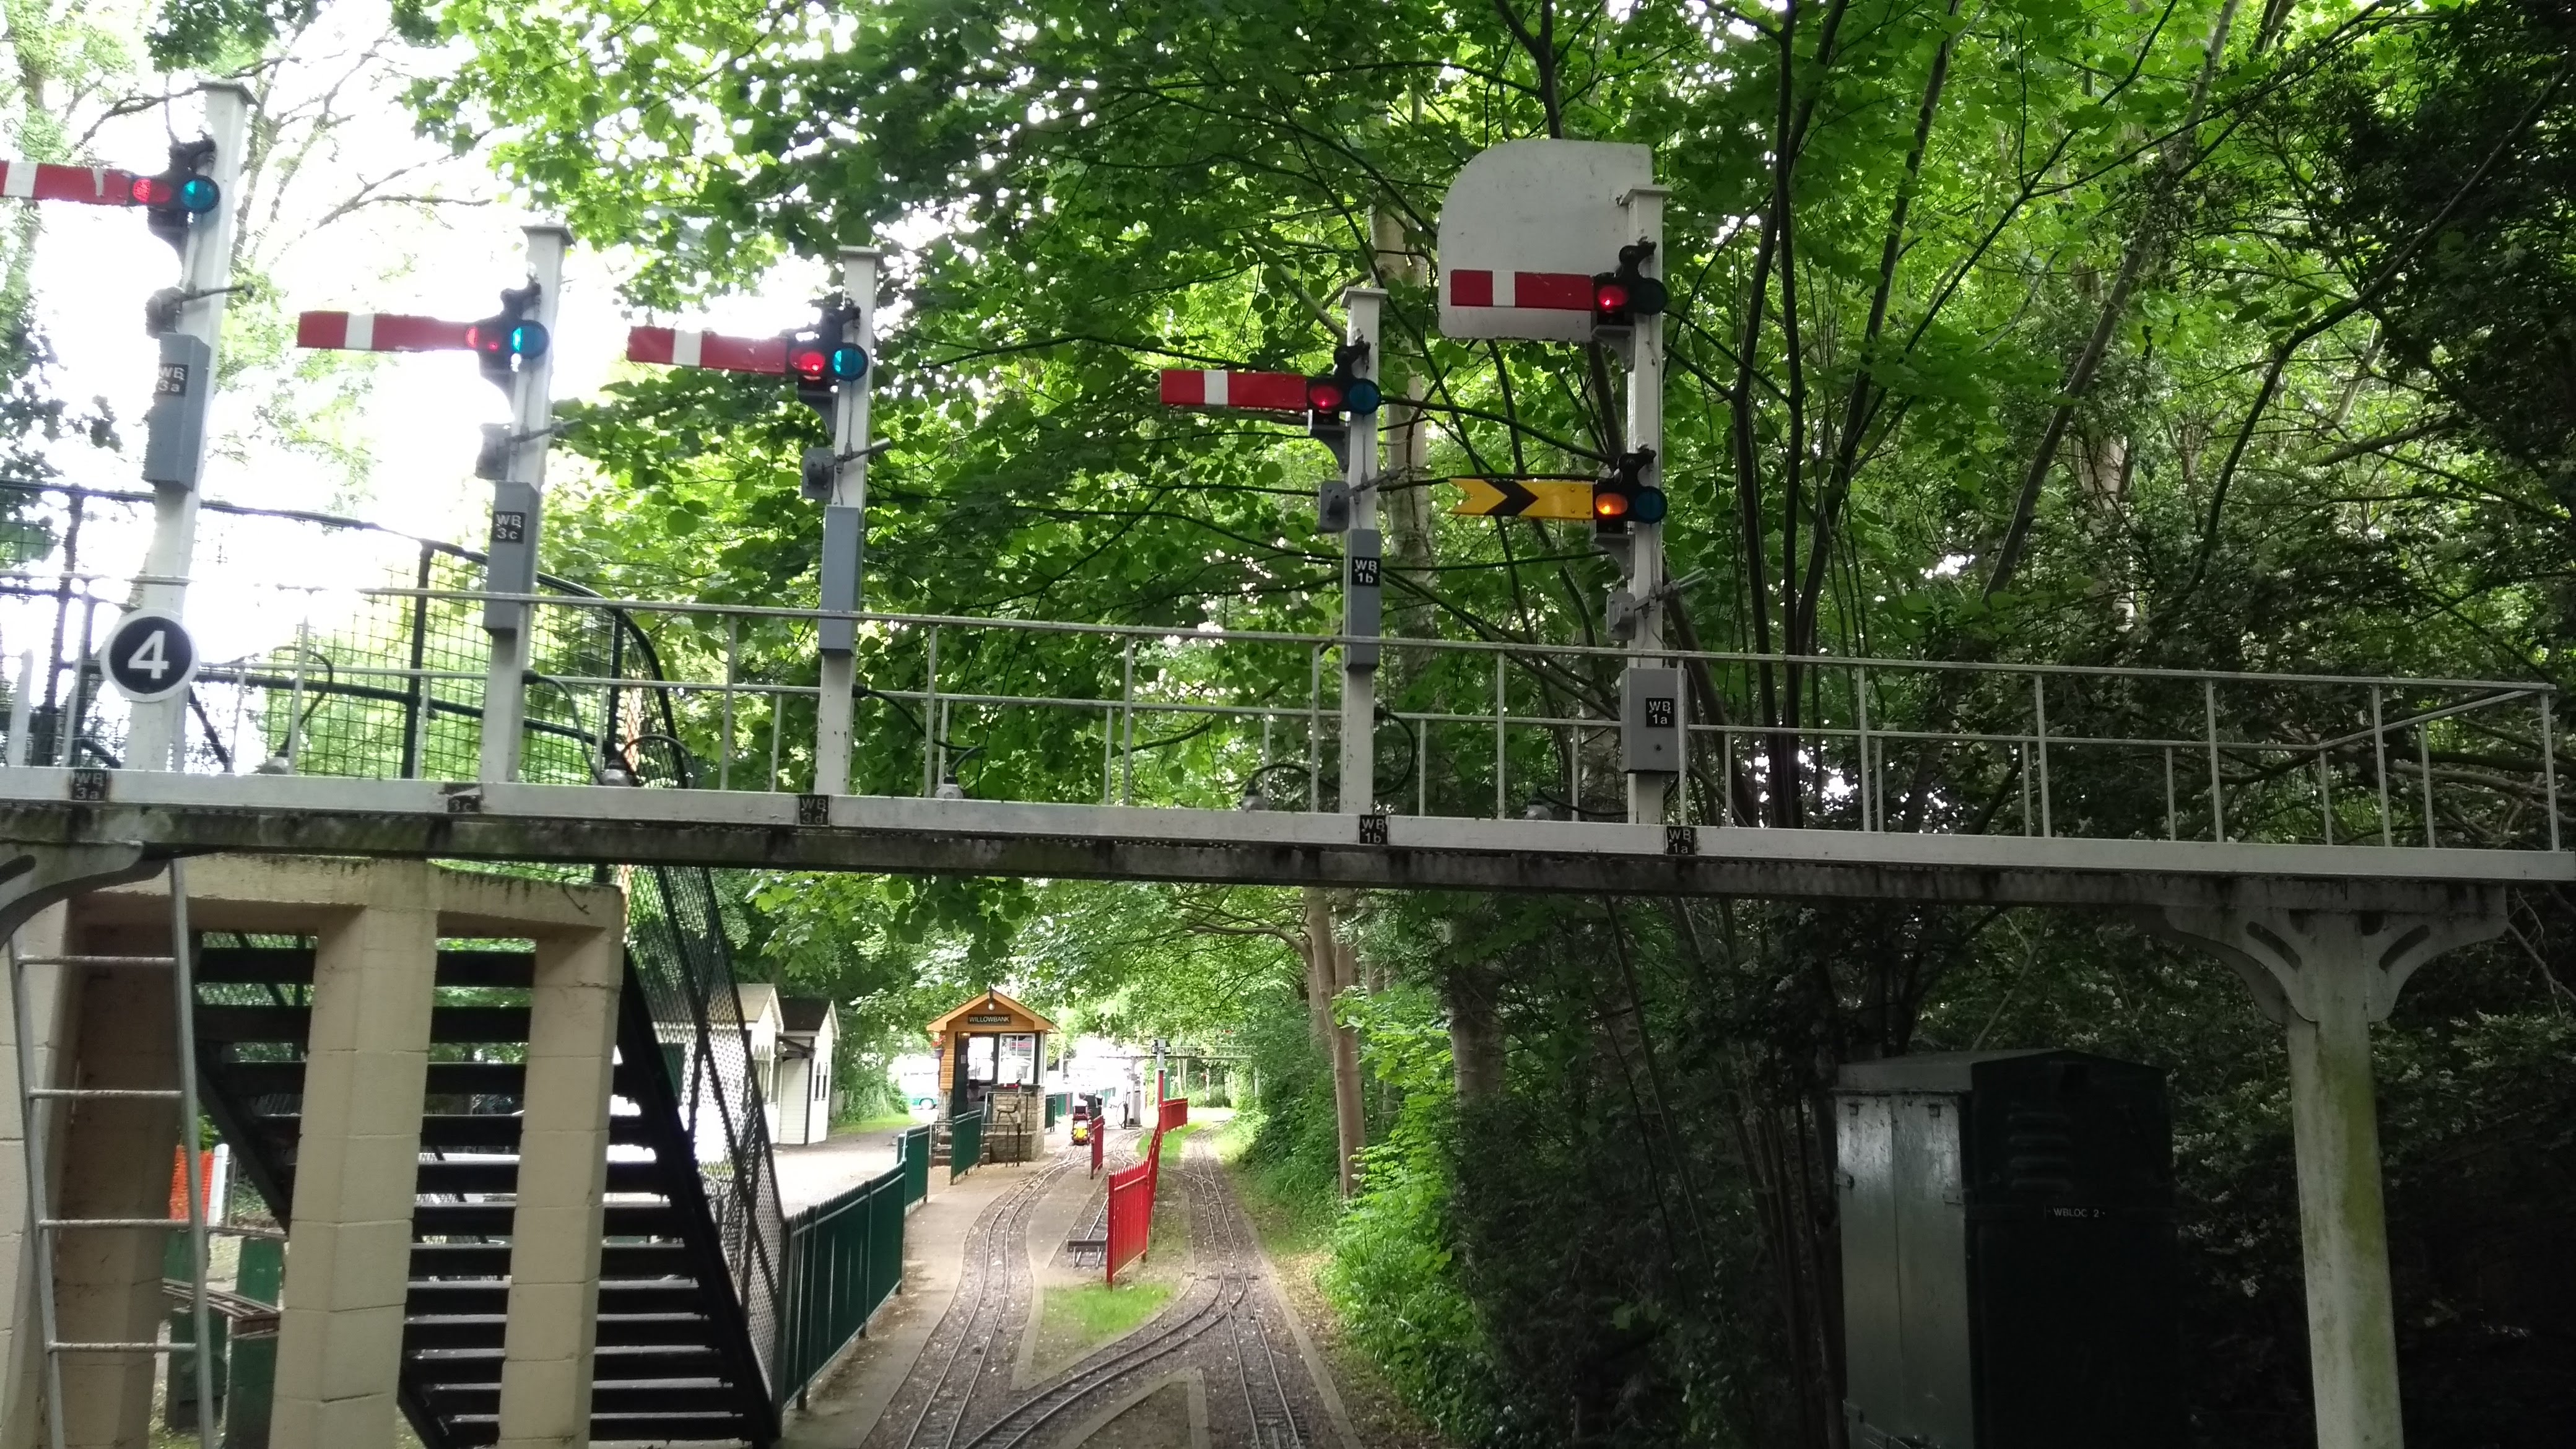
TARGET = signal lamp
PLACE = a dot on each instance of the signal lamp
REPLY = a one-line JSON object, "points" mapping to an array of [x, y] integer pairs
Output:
{"points": [[1620, 297], [1343, 390], [506, 340], [813, 363], [1622, 495], [195, 195], [819, 361], [179, 195]]}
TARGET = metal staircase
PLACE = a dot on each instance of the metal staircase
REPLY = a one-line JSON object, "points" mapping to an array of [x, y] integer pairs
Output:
{"points": [[678, 1358], [695, 1236]]}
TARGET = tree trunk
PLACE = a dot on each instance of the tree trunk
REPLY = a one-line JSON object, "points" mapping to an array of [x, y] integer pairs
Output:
{"points": [[1349, 1107], [1475, 1033], [1316, 946], [1332, 967]]}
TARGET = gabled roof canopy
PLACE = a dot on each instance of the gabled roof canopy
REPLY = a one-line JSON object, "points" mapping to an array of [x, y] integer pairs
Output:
{"points": [[991, 1012], [805, 1015]]}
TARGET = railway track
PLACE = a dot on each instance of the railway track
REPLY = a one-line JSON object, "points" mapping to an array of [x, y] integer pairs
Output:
{"points": [[997, 1249], [1228, 1320]]}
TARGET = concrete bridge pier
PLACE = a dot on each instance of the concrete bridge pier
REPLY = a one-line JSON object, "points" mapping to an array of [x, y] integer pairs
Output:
{"points": [[376, 927], [2326, 976]]}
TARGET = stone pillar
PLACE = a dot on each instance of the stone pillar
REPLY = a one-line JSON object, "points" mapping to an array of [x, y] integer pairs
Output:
{"points": [[107, 1281], [556, 1229], [348, 1255], [2325, 976]]}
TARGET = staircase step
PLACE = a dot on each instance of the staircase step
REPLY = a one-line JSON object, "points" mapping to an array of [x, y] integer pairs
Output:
{"points": [[648, 1363], [713, 1427], [293, 965], [615, 1330], [251, 1080], [661, 1396], [501, 1174], [490, 1219], [449, 1025], [487, 1132], [492, 1260], [434, 1297]]}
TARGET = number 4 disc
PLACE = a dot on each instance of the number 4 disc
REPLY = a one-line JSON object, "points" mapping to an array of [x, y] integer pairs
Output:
{"points": [[149, 656]]}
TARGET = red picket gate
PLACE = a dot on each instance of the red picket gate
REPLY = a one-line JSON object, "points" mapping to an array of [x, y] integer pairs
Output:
{"points": [[1176, 1113], [1099, 1142], [1131, 1209]]}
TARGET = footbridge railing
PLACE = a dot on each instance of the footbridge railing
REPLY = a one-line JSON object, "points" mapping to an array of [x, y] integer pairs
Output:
{"points": [[382, 677], [1476, 728]]}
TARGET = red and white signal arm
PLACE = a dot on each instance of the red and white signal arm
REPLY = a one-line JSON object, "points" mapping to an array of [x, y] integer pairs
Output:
{"points": [[44, 181], [380, 332], [1525, 228], [679, 347], [1268, 392]]}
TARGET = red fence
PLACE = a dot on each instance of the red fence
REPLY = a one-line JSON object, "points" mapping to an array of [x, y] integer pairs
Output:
{"points": [[1131, 1208], [1131, 1190]]}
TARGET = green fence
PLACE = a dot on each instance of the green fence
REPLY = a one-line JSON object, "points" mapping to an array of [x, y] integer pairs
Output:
{"points": [[965, 1143], [844, 1258], [912, 1159], [1059, 1106]]}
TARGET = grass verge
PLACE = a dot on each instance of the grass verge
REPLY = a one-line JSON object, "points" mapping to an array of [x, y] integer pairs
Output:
{"points": [[881, 1123], [1095, 1313]]}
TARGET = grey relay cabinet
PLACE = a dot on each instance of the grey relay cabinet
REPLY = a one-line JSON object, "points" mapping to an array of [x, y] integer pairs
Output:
{"points": [[2008, 1253]]}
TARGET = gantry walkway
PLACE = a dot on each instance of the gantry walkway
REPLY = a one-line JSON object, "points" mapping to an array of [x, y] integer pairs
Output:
{"points": [[171, 814]]}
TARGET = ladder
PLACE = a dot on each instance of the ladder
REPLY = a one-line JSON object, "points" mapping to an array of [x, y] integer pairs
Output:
{"points": [[33, 1097]]}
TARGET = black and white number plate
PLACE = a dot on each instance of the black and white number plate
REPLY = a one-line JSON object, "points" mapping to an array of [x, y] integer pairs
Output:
{"points": [[149, 656]]}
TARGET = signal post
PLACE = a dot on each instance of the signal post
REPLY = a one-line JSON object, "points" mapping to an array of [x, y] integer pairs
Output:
{"points": [[518, 499], [845, 527], [192, 323], [1654, 740], [515, 351], [831, 366], [1363, 550], [1341, 413]]}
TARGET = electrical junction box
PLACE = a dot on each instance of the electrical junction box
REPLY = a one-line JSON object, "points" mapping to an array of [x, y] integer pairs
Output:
{"points": [[1650, 721], [2009, 1263], [511, 553], [844, 548], [174, 425]]}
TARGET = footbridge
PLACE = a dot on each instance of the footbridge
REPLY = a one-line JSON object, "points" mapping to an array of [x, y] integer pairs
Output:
{"points": [[1021, 747], [2324, 834]]}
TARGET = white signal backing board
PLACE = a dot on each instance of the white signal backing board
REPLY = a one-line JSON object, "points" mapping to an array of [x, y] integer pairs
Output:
{"points": [[1543, 210]]}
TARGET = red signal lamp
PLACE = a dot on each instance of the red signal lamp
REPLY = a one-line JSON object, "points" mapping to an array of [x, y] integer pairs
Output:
{"points": [[1325, 395], [503, 338], [810, 364], [195, 195]]}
